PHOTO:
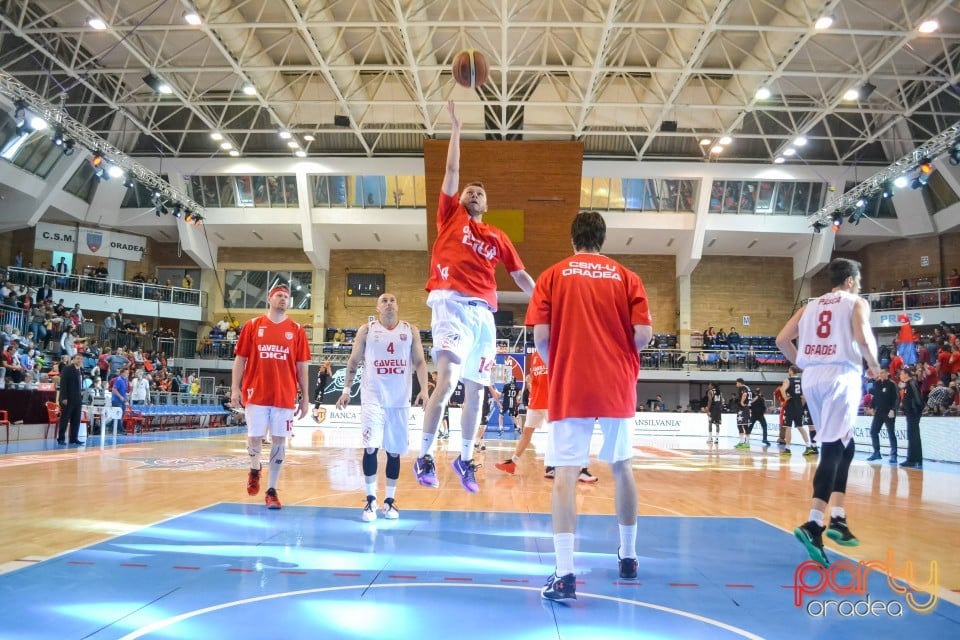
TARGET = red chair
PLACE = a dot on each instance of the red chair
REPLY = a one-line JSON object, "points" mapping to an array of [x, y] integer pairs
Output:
{"points": [[53, 418], [5, 421], [132, 421]]}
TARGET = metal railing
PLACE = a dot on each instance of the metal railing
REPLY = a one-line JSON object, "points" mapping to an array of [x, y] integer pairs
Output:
{"points": [[104, 287], [914, 299]]}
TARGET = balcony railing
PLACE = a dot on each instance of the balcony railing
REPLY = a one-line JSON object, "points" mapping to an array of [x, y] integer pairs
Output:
{"points": [[914, 299], [104, 287]]}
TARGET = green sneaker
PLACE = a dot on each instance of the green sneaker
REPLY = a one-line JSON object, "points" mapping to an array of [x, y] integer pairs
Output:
{"points": [[811, 535], [840, 533]]}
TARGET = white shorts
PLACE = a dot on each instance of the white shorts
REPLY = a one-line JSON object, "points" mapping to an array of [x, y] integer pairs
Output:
{"points": [[384, 427], [260, 419], [833, 397], [535, 418], [568, 441], [466, 330]]}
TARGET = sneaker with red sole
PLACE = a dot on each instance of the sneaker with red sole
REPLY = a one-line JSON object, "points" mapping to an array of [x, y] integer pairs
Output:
{"points": [[272, 500], [507, 466], [253, 482]]}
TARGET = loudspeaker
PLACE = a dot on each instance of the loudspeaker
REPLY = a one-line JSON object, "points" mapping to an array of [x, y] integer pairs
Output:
{"points": [[341, 121], [668, 126]]}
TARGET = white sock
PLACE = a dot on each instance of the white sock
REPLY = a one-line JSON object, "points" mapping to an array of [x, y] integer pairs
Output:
{"points": [[816, 516], [371, 485], [515, 459], [628, 540], [426, 444], [838, 512], [391, 488], [563, 548], [276, 461], [466, 450]]}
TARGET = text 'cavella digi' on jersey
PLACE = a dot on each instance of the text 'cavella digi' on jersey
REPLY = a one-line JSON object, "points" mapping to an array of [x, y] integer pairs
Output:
{"points": [[483, 248], [598, 271], [273, 351], [393, 366]]}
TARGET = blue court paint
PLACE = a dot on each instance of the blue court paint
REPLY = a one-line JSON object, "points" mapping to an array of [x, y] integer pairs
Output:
{"points": [[241, 571]]}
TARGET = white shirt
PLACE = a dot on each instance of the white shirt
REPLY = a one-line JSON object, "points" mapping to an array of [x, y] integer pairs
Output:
{"points": [[387, 372], [826, 332], [139, 389]]}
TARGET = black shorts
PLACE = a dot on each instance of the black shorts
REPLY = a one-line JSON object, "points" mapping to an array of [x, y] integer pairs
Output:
{"points": [[715, 417], [793, 416]]}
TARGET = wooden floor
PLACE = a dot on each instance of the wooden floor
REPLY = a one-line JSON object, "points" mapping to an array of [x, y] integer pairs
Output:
{"points": [[60, 499]]}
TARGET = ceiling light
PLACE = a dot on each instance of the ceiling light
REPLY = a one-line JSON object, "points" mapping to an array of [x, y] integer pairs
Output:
{"points": [[725, 140], [851, 94], [234, 153], [928, 26], [114, 171], [177, 210], [249, 89], [300, 153], [293, 144], [716, 149], [704, 142], [193, 18], [762, 93], [789, 151], [309, 138], [286, 135], [157, 84], [97, 23], [799, 141], [226, 145], [823, 22], [778, 160], [900, 182], [954, 157], [216, 135], [68, 147], [37, 123]]}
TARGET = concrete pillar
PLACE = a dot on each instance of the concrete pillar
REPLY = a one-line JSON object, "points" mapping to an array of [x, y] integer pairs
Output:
{"points": [[685, 306]]}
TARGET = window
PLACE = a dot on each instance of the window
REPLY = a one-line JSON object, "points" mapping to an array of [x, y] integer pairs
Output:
{"points": [[249, 289], [141, 196], [83, 183]]}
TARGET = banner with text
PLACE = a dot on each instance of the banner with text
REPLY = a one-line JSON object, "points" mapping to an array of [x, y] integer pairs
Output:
{"points": [[55, 237], [100, 243]]}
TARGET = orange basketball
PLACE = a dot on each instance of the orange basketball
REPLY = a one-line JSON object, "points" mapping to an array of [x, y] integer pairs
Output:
{"points": [[470, 68]]}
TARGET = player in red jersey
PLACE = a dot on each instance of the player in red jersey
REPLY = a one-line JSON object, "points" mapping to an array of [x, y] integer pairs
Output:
{"points": [[586, 305], [463, 297], [271, 364]]}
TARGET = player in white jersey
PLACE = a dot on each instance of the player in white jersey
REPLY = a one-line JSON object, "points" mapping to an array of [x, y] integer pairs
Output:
{"points": [[390, 351], [833, 339]]}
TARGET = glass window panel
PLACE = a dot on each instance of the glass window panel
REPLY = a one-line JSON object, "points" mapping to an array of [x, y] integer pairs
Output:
{"points": [[227, 188], [816, 197], [716, 196], [748, 197], [784, 197], [260, 196], [406, 188], [586, 193], [617, 200], [339, 190], [420, 189], [301, 289], [321, 191], [211, 192], [196, 189], [290, 193], [233, 289], [731, 197], [801, 195], [669, 195], [651, 197], [273, 190], [49, 161], [244, 191], [765, 197], [601, 193], [633, 189]]}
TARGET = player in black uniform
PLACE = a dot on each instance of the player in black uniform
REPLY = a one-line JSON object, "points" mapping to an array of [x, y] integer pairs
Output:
{"points": [[793, 415], [510, 400], [714, 411], [744, 396], [758, 411]]}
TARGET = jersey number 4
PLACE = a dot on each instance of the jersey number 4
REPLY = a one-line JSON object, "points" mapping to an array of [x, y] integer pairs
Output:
{"points": [[390, 348], [823, 324]]}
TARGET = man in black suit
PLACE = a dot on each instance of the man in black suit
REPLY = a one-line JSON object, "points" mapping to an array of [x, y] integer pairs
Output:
{"points": [[71, 400]]}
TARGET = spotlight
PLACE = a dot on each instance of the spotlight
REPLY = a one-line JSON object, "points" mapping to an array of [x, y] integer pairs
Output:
{"points": [[197, 219], [177, 210], [98, 169], [189, 217], [954, 157], [157, 84], [901, 181], [818, 226], [925, 168], [129, 183], [837, 221], [58, 136], [887, 191], [68, 145], [114, 171]]}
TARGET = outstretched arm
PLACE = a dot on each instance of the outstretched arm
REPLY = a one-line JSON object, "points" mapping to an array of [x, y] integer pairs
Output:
{"points": [[451, 179], [524, 281]]}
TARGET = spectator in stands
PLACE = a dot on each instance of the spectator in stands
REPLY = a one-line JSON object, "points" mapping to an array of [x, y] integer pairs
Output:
{"points": [[44, 293], [116, 362], [339, 336], [140, 389], [658, 404], [109, 327], [101, 273], [5, 290], [708, 337], [18, 260], [120, 390], [720, 340], [187, 282], [67, 347], [734, 340], [76, 317], [953, 281], [723, 360], [11, 362], [38, 318]]}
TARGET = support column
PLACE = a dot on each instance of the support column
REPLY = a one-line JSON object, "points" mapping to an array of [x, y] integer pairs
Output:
{"points": [[685, 306], [318, 303]]}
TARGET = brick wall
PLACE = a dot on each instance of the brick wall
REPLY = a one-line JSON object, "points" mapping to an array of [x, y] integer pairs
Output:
{"points": [[726, 288], [406, 275]]}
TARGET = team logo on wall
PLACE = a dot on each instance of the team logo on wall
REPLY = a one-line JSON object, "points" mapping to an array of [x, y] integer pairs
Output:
{"points": [[288, 335], [94, 241], [319, 414]]}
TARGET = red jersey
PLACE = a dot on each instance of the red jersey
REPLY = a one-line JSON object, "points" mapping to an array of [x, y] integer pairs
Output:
{"points": [[466, 252], [591, 303], [538, 382], [272, 350]]}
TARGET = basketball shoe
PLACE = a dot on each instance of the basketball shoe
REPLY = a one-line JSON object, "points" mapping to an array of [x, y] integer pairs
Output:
{"points": [[467, 473], [390, 511], [560, 587], [549, 472], [253, 482], [426, 471], [839, 532], [507, 466], [370, 510], [271, 499], [586, 476], [810, 534], [628, 567]]}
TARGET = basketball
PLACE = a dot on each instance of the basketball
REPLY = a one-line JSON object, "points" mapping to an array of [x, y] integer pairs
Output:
{"points": [[470, 68]]}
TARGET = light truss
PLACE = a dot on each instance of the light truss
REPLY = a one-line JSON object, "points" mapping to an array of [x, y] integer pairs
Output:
{"points": [[930, 150], [83, 137]]}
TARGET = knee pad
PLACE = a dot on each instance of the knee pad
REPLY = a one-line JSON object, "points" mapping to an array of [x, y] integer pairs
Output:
{"points": [[370, 462], [393, 466], [277, 450]]}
